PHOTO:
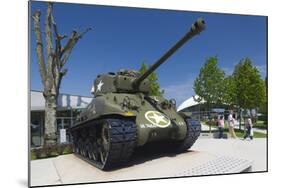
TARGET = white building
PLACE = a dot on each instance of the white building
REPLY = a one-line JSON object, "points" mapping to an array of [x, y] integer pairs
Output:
{"points": [[189, 103], [200, 109], [67, 108]]}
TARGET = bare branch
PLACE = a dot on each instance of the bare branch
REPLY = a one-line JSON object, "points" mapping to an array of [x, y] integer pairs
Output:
{"points": [[63, 37], [83, 33], [66, 51], [57, 65], [57, 62], [39, 46], [58, 38], [63, 72]]}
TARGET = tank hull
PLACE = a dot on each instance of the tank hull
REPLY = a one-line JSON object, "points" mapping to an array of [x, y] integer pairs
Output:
{"points": [[108, 139], [153, 122]]}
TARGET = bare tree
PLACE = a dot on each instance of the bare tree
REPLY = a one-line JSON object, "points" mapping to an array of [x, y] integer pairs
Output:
{"points": [[51, 68]]}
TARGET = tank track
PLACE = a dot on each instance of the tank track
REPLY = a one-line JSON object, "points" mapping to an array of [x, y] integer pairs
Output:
{"points": [[105, 143], [193, 132]]}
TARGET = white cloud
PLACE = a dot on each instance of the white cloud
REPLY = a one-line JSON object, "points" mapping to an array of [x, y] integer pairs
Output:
{"points": [[262, 70], [228, 71], [180, 91]]}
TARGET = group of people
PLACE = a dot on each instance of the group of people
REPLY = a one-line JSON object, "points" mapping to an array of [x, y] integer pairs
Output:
{"points": [[231, 123]]}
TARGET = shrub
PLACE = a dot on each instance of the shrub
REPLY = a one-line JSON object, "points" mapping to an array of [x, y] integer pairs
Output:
{"points": [[51, 150]]}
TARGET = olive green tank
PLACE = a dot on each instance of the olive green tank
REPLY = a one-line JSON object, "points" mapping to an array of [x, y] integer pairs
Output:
{"points": [[123, 116]]}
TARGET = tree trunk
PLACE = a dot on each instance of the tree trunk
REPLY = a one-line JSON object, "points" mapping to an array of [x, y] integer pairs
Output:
{"points": [[240, 118], [50, 120], [209, 116]]}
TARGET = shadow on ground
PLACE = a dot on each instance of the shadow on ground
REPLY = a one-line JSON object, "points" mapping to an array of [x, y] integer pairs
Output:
{"points": [[149, 152]]}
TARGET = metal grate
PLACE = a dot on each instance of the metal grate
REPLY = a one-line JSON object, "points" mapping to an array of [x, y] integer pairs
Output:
{"points": [[220, 165]]}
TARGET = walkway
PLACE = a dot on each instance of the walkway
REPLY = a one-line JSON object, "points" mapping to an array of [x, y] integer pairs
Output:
{"points": [[68, 169]]}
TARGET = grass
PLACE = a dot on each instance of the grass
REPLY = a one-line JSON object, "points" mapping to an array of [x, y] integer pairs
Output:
{"points": [[50, 151], [33, 156], [240, 133], [260, 125]]}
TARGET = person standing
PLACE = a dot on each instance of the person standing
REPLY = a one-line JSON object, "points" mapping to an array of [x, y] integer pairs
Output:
{"points": [[249, 127], [231, 121], [221, 126]]}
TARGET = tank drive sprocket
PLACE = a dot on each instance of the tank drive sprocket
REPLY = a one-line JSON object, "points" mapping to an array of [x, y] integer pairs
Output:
{"points": [[105, 143]]}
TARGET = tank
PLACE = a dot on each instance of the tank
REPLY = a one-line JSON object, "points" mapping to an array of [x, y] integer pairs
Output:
{"points": [[123, 116]]}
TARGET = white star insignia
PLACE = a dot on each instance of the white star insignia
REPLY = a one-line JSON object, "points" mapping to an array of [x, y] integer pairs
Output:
{"points": [[158, 118], [99, 86]]}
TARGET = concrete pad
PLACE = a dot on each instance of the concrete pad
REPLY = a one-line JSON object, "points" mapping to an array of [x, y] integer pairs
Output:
{"points": [[81, 171]]}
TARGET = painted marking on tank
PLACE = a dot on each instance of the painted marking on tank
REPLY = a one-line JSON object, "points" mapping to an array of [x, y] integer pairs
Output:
{"points": [[181, 123], [100, 85], [129, 114], [147, 126], [155, 99], [157, 118], [142, 125]]}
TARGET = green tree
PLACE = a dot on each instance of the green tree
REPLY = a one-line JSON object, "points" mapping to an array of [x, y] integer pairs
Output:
{"points": [[209, 83], [263, 106], [229, 95], [250, 87], [155, 89]]}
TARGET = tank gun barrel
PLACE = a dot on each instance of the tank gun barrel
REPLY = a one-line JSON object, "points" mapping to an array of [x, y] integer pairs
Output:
{"points": [[195, 29]]}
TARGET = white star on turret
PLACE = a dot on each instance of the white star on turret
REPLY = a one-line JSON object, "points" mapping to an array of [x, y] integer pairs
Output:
{"points": [[99, 85]]}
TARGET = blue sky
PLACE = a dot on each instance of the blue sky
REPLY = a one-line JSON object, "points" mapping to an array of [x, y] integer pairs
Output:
{"points": [[125, 37]]}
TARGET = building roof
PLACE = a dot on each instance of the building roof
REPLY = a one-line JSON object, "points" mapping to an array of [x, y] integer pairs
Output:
{"points": [[64, 101], [189, 102]]}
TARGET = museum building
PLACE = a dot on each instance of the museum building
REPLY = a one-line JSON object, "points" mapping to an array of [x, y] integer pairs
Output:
{"points": [[200, 110], [68, 108]]}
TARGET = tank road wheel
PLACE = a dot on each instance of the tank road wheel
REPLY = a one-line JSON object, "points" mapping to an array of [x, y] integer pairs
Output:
{"points": [[94, 152], [89, 149], [75, 147], [75, 143], [110, 142], [104, 143], [80, 146], [193, 132], [83, 149]]}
